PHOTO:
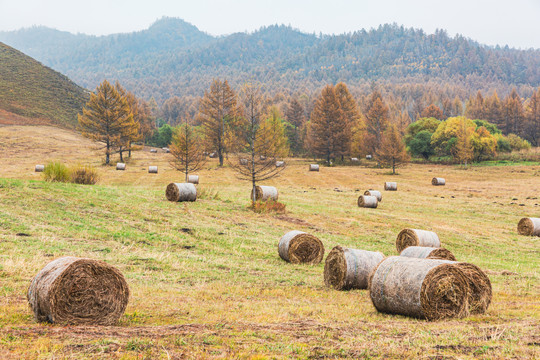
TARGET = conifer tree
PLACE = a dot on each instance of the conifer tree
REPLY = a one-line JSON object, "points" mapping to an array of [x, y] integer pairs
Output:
{"points": [[392, 151], [350, 111], [106, 117], [220, 117], [328, 132], [377, 120], [271, 139], [432, 111], [131, 132], [514, 116], [295, 116], [532, 124], [464, 151], [186, 149]]}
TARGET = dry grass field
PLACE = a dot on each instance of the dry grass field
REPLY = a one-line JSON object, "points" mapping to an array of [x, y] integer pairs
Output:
{"points": [[206, 280]]}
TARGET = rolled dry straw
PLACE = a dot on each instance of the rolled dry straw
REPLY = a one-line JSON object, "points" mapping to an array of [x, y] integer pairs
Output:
{"points": [[437, 181], [39, 168], [415, 237], [152, 169], [181, 192], [299, 247], [424, 252], [264, 193], [166, 150], [367, 201], [529, 226], [213, 155], [244, 161], [354, 159], [390, 186], [368, 157], [77, 291], [194, 179], [313, 167], [375, 193], [120, 166], [262, 157], [426, 288], [346, 269], [153, 150], [280, 163]]}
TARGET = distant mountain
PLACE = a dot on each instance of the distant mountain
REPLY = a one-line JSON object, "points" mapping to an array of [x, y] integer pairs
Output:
{"points": [[33, 93], [174, 58]]}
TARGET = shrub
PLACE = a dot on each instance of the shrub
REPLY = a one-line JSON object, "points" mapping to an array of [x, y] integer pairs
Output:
{"points": [[261, 207], [56, 171], [208, 193], [517, 143], [83, 174]]}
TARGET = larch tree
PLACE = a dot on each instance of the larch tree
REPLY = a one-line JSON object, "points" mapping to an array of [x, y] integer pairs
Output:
{"points": [[532, 124], [258, 162], [514, 115], [186, 149], [106, 117], [132, 132], [220, 117], [328, 132], [392, 151], [295, 116], [271, 139], [432, 111], [463, 150], [350, 111], [377, 120]]}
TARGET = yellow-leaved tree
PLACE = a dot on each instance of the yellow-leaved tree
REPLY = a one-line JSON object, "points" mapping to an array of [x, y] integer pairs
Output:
{"points": [[271, 139]]}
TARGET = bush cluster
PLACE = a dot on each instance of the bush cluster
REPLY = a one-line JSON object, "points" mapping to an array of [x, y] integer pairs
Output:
{"points": [[81, 174]]}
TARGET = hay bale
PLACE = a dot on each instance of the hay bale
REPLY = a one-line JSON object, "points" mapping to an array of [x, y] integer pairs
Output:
{"points": [[375, 193], [313, 167], [264, 193], [426, 288], [193, 179], [153, 150], [120, 166], [244, 161], [369, 157], [425, 252], [77, 291], [262, 157], [298, 247], [437, 181], [280, 163], [166, 150], [39, 168], [390, 186], [354, 159], [347, 269], [152, 169], [213, 155], [367, 201], [529, 226], [181, 192], [415, 237]]}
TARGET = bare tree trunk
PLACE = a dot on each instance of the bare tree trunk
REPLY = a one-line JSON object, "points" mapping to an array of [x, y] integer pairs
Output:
{"points": [[393, 166], [107, 156], [121, 153]]}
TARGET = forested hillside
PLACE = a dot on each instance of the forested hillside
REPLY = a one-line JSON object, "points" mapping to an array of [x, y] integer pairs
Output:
{"points": [[35, 92], [174, 58]]}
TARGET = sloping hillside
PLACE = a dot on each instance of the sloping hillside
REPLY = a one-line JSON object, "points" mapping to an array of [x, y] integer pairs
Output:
{"points": [[31, 93]]}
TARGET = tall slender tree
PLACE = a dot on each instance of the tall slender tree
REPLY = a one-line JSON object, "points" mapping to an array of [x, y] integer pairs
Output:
{"points": [[106, 117], [532, 123], [271, 139], [514, 115], [295, 116], [392, 151], [220, 117], [350, 110], [377, 120], [186, 149]]}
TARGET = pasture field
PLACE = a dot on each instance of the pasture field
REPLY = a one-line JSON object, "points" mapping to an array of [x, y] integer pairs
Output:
{"points": [[206, 280]]}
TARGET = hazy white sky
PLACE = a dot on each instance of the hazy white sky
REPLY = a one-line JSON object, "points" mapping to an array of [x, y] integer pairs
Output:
{"points": [[512, 22]]}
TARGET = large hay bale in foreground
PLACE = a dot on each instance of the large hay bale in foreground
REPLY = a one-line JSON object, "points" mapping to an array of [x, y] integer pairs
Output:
{"points": [[425, 252], [390, 186], [299, 247], [120, 166], [529, 226], [264, 193], [193, 179], [181, 192], [313, 167], [77, 291], [415, 237], [347, 269], [367, 201], [437, 181], [425, 289], [375, 193], [152, 169], [39, 168]]}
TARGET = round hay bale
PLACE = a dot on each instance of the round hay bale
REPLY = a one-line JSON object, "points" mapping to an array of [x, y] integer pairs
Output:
{"points": [[367, 201], [262, 157], [369, 157], [375, 193], [425, 252], [437, 181], [529, 226], [213, 155], [354, 159], [280, 163], [153, 150], [166, 150], [152, 169], [181, 192], [77, 291], [244, 161], [426, 289], [390, 186], [193, 179], [298, 247], [120, 166], [39, 168], [313, 167], [347, 269], [264, 193], [415, 237]]}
